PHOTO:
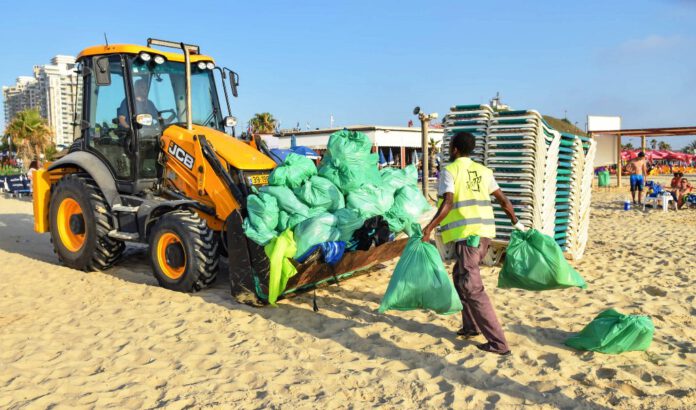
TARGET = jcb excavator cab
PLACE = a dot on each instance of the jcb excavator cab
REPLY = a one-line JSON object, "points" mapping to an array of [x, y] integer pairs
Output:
{"points": [[131, 95]]}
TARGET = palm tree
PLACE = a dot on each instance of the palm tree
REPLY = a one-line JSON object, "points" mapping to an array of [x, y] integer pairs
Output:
{"points": [[30, 134], [627, 145], [432, 152], [263, 123], [690, 148], [653, 144], [663, 146]]}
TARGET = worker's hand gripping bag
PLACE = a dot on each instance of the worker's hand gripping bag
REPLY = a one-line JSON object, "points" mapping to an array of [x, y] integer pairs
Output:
{"points": [[611, 332], [420, 280], [534, 261]]}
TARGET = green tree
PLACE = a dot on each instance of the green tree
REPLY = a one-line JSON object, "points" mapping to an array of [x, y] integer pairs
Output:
{"points": [[627, 145], [653, 144], [690, 148], [663, 146], [30, 134], [263, 123]]}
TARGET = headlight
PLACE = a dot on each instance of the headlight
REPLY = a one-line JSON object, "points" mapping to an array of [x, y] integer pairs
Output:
{"points": [[159, 59], [209, 65], [145, 57], [201, 65]]}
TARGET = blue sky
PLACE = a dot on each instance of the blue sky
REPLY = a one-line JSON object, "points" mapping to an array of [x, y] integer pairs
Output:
{"points": [[371, 62]]}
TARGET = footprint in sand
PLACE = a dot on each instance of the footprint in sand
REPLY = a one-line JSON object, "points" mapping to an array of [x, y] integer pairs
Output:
{"points": [[679, 393], [606, 373], [655, 291]]}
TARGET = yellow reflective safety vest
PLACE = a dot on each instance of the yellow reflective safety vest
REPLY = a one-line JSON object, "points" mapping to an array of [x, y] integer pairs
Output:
{"points": [[472, 213]]}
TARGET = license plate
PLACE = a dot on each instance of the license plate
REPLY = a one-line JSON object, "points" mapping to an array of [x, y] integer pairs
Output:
{"points": [[259, 179]]}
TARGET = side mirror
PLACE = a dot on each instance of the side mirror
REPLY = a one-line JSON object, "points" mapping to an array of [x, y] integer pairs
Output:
{"points": [[144, 120], [234, 82], [102, 71], [230, 121]]}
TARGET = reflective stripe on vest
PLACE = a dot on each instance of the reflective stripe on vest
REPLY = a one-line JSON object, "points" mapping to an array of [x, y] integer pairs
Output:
{"points": [[472, 213]]}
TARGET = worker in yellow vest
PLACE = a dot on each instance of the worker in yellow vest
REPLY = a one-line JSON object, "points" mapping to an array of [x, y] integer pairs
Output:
{"points": [[465, 216]]}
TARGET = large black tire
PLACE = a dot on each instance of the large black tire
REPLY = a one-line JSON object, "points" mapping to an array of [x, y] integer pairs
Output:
{"points": [[98, 250], [183, 251]]}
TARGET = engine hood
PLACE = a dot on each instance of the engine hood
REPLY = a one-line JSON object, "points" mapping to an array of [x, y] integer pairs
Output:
{"points": [[235, 152]]}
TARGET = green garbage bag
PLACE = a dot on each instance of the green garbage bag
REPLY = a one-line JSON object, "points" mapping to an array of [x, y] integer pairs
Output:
{"points": [[286, 220], [398, 178], [262, 221], [370, 200], [279, 251], [349, 162], [318, 192], [604, 178], [611, 332], [287, 201], [348, 221], [315, 230], [420, 280], [534, 261], [295, 170], [409, 206]]}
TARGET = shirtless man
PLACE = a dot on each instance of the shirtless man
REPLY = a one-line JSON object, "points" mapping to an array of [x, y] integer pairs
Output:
{"points": [[639, 170]]}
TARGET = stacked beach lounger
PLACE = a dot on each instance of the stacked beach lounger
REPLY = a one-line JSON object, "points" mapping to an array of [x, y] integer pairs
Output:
{"points": [[547, 175], [469, 118], [523, 152]]}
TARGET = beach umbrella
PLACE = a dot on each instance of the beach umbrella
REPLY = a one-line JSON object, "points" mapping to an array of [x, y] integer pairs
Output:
{"points": [[382, 161], [307, 152], [414, 159], [390, 160], [293, 141]]}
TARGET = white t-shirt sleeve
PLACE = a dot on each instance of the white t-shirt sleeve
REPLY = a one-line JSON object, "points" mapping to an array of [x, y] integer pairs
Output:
{"points": [[493, 186], [446, 183]]}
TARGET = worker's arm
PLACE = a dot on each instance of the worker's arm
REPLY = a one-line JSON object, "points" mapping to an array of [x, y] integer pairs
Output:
{"points": [[506, 205], [645, 168], [440, 215], [122, 121]]}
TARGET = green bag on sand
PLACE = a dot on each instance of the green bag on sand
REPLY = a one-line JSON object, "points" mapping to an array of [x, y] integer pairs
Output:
{"points": [[279, 251], [348, 221], [420, 280], [611, 332], [349, 162], [316, 230], [287, 201], [295, 170], [534, 261], [409, 206], [370, 200], [262, 221], [318, 192], [398, 178]]}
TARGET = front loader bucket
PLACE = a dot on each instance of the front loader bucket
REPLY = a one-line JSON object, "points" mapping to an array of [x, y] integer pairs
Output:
{"points": [[250, 268]]}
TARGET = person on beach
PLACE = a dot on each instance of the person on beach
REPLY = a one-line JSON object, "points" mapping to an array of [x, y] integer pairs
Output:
{"points": [[638, 169], [682, 192], [675, 181], [465, 216]]}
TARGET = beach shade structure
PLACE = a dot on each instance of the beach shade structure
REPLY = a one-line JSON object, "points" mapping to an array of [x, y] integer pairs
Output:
{"points": [[382, 160]]}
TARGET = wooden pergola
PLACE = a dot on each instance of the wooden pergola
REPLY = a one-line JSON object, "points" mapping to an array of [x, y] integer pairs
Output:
{"points": [[643, 134]]}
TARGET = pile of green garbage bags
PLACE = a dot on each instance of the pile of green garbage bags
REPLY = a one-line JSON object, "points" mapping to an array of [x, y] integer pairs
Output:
{"points": [[612, 332], [420, 280], [534, 261], [332, 202]]}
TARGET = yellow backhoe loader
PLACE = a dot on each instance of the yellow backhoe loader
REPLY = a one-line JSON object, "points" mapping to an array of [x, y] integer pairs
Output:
{"points": [[153, 164]]}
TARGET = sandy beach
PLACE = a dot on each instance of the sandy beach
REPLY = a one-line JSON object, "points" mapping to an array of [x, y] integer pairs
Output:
{"points": [[72, 339]]}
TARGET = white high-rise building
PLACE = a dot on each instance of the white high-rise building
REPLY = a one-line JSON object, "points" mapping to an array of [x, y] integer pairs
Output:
{"points": [[55, 90]]}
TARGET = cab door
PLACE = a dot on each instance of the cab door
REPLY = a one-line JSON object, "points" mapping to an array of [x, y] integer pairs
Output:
{"points": [[107, 125]]}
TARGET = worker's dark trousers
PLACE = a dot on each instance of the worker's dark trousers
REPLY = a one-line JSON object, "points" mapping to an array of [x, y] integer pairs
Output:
{"points": [[478, 313]]}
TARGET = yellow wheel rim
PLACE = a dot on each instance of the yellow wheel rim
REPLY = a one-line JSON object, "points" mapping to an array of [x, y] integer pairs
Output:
{"points": [[70, 209], [170, 239]]}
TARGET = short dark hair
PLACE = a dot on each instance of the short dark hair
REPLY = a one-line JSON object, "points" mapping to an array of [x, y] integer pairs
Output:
{"points": [[641, 154], [464, 142]]}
